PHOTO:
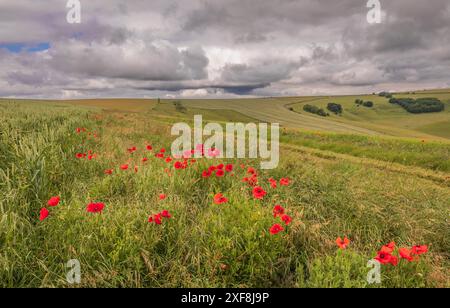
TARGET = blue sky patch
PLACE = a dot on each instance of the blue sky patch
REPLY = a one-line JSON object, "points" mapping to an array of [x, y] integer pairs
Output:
{"points": [[19, 47]]}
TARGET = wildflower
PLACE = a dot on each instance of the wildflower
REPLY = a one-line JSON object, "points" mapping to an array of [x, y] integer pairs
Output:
{"points": [[220, 173], [206, 174], [273, 183], [95, 207], [259, 193], [155, 219], [132, 150], [169, 159], [160, 155], [386, 258], [80, 155], [229, 168], [145, 159], [178, 165], [389, 248], [284, 182], [43, 214], [163, 150], [286, 219], [109, 171], [275, 229], [149, 147], [251, 170], [342, 243], [166, 214], [406, 254], [278, 210], [162, 196], [419, 250], [220, 199], [220, 167], [54, 201], [124, 167]]}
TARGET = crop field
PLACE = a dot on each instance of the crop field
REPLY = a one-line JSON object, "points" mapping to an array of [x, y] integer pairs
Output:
{"points": [[346, 189]]}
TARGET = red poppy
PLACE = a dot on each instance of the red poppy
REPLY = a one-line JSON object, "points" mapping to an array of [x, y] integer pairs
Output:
{"points": [[160, 155], [162, 196], [284, 182], [220, 199], [132, 150], [162, 150], [149, 147], [124, 167], [342, 243], [251, 170], [95, 207], [286, 219], [43, 214], [259, 193], [221, 166], [109, 171], [220, 173], [406, 254], [156, 219], [278, 210], [419, 250], [229, 168], [206, 174], [273, 183], [54, 201], [80, 155], [178, 165], [166, 214], [386, 258], [145, 159], [168, 159], [389, 248], [90, 157], [275, 229], [212, 168]]}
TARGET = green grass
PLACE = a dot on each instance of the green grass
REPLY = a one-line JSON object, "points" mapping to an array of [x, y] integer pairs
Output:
{"points": [[206, 245]]}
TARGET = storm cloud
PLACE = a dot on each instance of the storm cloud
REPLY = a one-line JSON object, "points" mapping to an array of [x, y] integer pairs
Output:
{"points": [[221, 48]]}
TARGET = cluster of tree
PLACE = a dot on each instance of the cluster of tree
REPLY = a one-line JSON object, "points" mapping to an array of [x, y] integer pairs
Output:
{"points": [[315, 110], [385, 94], [360, 102], [179, 107], [335, 108], [420, 105]]}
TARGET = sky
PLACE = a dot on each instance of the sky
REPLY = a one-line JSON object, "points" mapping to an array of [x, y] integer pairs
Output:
{"points": [[221, 48]]}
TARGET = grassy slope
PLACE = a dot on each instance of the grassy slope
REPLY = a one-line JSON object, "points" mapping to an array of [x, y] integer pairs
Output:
{"points": [[203, 245]]}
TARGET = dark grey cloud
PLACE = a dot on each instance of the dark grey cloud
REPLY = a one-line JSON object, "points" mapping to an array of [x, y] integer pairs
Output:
{"points": [[223, 47]]}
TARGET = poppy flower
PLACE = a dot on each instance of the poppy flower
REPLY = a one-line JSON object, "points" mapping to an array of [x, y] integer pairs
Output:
{"points": [[80, 155], [212, 168], [406, 254], [178, 165], [251, 170], [162, 196], [389, 248], [90, 157], [284, 182], [43, 214], [220, 173], [206, 174], [54, 201], [169, 159], [95, 207], [109, 171], [160, 155], [155, 219], [342, 243], [132, 150], [220, 199], [278, 210], [275, 229], [124, 167], [386, 258], [419, 250], [145, 159], [229, 168], [286, 219], [273, 183], [259, 193], [162, 150], [149, 147], [221, 166], [166, 214]]}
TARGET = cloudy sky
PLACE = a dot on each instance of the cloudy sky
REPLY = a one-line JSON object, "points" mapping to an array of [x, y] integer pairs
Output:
{"points": [[221, 48]]}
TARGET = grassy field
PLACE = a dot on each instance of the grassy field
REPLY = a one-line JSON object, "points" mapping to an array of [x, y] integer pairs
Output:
{"points": [[354, 180]]}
